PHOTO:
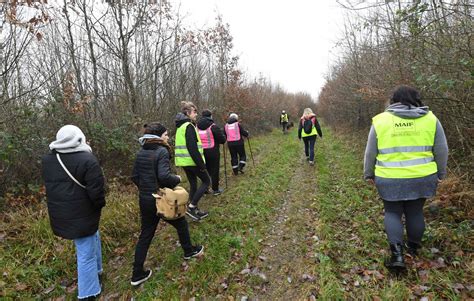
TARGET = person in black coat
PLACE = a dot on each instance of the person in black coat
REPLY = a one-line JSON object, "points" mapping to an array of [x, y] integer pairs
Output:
{"points": [[75, 201], [151, 171], [211, 149], [235, 134]]}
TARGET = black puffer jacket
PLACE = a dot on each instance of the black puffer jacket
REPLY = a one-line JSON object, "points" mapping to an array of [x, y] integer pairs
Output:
{"points": [[217, 132], [243, 133], [152, 164], [74, 212]]}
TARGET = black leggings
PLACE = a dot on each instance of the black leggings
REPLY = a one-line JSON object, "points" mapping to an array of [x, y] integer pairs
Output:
{"points": [[414, 220], [149, 221], [193, 172], [212, 166], [238, 157]]}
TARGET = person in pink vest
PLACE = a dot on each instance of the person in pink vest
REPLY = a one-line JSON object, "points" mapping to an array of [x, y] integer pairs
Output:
{"points": [[211, 137], [235, 134]]}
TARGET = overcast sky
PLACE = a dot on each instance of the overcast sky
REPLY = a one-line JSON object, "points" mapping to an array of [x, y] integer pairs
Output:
{"points": [[290, 42]]}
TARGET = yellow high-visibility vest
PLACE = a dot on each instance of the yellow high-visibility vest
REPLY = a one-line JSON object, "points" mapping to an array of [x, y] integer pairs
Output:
{"points": [[284, 117], [405, 146], [181, 153], [313, 128]]}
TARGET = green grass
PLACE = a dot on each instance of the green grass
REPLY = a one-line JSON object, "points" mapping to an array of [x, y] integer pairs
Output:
{"points": [[346, 215]]}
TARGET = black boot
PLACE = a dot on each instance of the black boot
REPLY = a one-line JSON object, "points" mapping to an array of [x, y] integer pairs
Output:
{"points": [[396, 261], [412, 248], [235, 171]]}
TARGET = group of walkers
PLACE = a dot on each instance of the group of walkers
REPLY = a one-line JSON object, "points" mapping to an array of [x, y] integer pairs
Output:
{"points": [[405, 159], [75, 186]]}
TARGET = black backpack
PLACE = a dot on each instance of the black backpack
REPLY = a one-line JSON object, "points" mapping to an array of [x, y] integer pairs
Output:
{"points": [[308, 125]]}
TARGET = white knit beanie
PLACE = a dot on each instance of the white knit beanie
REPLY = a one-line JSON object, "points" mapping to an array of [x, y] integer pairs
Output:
{"points": [[70, 139], [234, 116]]}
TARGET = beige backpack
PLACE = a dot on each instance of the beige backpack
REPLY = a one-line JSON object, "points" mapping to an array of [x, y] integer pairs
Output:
{"points": [[171, 203]]}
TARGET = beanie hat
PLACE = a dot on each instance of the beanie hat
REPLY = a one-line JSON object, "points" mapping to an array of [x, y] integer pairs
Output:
{"points": [[70, 139], [206, 113], [234, 116]]}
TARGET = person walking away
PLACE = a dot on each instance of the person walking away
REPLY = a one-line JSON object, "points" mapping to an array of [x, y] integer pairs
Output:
{"points": [[235, 134], [211, 136], [308, 129], [75, 197], [152, 171], [284, 121], [406, 158], [189, 155]]}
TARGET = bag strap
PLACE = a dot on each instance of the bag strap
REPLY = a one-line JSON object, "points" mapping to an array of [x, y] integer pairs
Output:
{"points": [[67, 171]]}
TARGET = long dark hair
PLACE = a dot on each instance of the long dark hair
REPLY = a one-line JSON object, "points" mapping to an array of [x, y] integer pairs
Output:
{"points": [[406, 95]]}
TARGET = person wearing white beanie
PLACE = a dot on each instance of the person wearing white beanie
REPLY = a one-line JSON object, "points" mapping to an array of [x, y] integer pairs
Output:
{"points": [[75, 196]]}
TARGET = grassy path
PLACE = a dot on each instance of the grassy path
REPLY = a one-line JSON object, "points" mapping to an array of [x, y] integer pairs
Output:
{"points": [[282, 231]]}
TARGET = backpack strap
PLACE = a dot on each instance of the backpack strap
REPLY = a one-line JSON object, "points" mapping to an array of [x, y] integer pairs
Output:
{"points": [[67, 171]]}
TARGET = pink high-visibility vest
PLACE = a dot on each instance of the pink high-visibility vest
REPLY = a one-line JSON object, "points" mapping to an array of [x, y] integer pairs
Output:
{"points": [[232, 131], [207, 138]]}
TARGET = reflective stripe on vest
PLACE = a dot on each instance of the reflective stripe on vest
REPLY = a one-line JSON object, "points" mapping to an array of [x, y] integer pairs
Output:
{"points": [[284, 117], [207, 138], [405, 146], [232, 131], [313, 129], [181, 153]]}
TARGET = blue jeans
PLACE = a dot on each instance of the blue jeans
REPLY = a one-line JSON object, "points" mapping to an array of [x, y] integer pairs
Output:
{"points": [[89, 265], [309, 146]]}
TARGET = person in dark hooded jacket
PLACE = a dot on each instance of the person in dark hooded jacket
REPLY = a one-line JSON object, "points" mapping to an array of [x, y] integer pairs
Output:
{"points": [[211, 137], [189, 154], [152, 170], [75, 196], [235, 134]]}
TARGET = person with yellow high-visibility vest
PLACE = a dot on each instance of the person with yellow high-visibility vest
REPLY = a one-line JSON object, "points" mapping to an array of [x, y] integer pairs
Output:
{"points": [[284, 121], [406, 158], [189, 155], [308, 129]]}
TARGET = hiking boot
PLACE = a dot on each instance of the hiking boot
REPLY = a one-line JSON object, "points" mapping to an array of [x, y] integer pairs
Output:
{"points": [[396, 262], [235, 171], [196, 251], [140, 277], [412, 248], [217, 192], [311, 163]]}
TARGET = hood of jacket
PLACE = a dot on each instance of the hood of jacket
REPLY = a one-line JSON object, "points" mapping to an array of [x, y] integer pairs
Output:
{"points": [[204, 122], [180, 119], [404, 111], [231, 120]]}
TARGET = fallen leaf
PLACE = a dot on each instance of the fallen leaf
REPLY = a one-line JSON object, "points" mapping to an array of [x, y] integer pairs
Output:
{"points": [[245, 271], [21, 287]]}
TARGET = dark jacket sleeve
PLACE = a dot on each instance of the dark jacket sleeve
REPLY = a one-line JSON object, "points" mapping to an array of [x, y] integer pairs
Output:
{"points": [[191, 145], [95, 183], [219, 135], [164, 175], [300, 128], [135, 174], [243, 132], [318, 127]]}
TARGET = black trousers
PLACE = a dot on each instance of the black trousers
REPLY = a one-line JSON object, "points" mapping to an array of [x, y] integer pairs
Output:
{"points": [[149, 221], [193, 173], [238, 158], [284, 126], [212, 165]]}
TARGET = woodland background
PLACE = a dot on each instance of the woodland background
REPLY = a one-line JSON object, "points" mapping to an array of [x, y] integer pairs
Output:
{"points": [[111, 66]]}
